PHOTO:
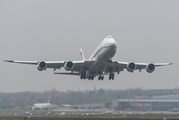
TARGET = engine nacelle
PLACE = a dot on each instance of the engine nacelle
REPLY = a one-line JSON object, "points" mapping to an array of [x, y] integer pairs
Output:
{"points": [[131, 67], [42, 66], [68, 65], [150, 68]]}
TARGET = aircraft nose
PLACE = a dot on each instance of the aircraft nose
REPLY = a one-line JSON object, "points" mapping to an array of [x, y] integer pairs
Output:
{"points": [[112, 41]]}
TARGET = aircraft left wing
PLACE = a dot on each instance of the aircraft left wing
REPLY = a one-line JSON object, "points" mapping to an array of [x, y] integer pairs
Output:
{"points": [[117, 66], [68, 65]]}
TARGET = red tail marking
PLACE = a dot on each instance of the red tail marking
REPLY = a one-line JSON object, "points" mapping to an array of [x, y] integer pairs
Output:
{"points": [[81, 56], [49, 100]]}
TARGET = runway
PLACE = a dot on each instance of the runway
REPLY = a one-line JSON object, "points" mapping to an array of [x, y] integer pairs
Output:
{"points": [[93, 114]]}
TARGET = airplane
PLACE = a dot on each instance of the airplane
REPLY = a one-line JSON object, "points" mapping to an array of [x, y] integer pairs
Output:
{"points": [[99, 64], [42, 106]]}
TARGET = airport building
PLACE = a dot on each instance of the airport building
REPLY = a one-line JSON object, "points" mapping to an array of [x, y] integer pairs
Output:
{"points": [[89, 106], [157, 103], [83, 106]]}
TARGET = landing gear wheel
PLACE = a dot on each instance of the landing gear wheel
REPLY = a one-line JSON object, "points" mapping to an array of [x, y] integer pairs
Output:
{"points": [[89, 77], [111, 76], [92, 77], [99, 77], [102, 77], [83, 76]]}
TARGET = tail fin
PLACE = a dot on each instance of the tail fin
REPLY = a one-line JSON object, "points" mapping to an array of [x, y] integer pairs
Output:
{"points": [[82, 55], [49, 100]]}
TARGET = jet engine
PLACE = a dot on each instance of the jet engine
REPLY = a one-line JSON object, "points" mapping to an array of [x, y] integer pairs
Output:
{"points": [[131, 67], [42, 66], [68, 65], [150, 68]]}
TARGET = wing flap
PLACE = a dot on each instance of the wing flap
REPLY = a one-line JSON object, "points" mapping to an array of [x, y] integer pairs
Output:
{"points": [[55, 64]]}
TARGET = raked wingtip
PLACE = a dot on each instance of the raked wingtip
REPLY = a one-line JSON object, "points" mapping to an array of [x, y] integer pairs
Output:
{"points": [[171, 63], [8, 60]]}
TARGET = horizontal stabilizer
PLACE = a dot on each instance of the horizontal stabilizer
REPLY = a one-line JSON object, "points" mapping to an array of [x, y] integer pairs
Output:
{"points": [[82, 54], [66, 73]]}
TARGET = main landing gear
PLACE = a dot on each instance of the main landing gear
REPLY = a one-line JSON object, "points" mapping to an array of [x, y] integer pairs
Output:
{"points": [[111, 76], [83, 75], [100, 77]]}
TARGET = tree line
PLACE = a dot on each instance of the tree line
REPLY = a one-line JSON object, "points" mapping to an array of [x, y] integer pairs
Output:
{"points": [[23, 99]]}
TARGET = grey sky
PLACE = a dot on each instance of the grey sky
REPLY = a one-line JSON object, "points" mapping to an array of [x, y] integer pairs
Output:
{"points": [[145, 31]]}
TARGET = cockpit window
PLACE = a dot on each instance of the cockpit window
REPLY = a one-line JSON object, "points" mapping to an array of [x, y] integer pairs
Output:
{"points": [[109, 36]]}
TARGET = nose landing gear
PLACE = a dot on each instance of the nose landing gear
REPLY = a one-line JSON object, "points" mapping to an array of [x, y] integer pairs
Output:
{"points": [[91, 77], [100, 77]]}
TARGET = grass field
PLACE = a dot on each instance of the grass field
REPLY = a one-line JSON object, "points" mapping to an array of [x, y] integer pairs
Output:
{"points": [[144, 115], [61, 118]]}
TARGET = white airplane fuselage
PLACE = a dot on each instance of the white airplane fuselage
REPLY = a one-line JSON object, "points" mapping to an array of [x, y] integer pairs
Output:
{"points": [[41, 106], [102, 56], [44, 106]]}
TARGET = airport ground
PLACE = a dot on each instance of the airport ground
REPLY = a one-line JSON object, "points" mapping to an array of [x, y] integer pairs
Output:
{"points": [[89, 115], [55, 118], [62, 118]]}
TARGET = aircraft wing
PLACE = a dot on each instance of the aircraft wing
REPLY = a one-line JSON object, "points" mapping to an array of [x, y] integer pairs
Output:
{"points": [[78, 65], [22, 62], [50, 64], [117, 66]]}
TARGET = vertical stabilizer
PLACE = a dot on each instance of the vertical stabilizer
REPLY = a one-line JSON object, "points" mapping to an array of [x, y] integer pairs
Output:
{"points": [[82, 55], [49, 100]]}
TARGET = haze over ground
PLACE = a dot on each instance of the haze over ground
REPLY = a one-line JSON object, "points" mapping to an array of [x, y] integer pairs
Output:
{"points": [[145, 31]]}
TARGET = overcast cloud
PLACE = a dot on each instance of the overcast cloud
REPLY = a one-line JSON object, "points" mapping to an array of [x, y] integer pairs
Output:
{"points": [[145, 31]]}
